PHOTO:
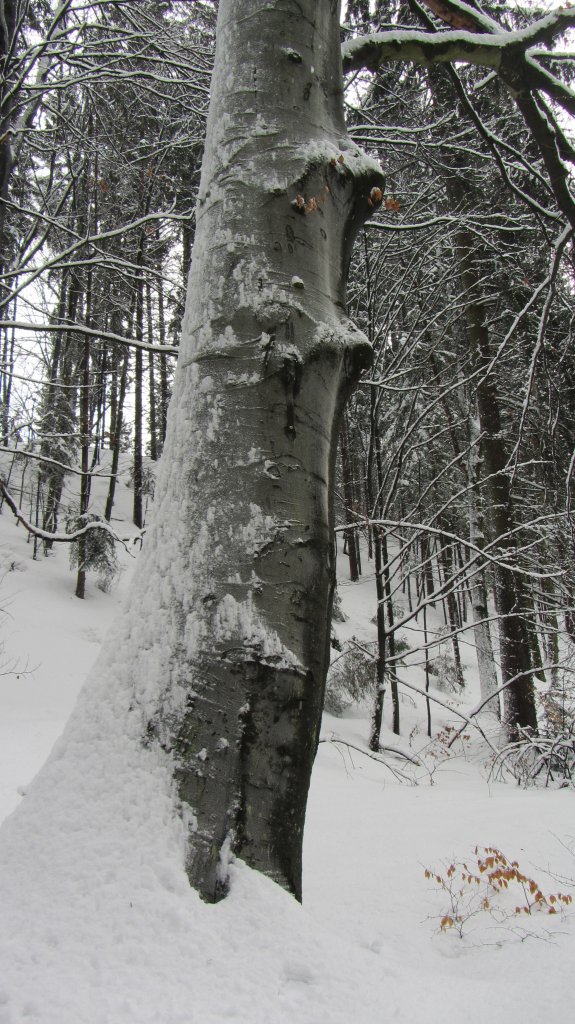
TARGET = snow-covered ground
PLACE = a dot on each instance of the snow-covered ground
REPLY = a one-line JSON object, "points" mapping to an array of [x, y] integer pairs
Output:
{"points": [[129, 942]]}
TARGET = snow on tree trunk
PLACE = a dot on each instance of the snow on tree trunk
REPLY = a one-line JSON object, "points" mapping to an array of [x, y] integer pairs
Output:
{"points": [[242, 550], [211, 685], [207, 697]]}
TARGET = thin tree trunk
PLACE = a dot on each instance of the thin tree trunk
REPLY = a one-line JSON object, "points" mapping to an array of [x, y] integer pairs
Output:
{"points": [[116, 438], [380, 665], [6, 374], [58, 402], [390, 635], [151, 378], [488, 681], [515, 643], [8, 22], [453, 620], [85, 479], [427, 668], [138, 466], [164, 388], [426, 557], [350, 535]]}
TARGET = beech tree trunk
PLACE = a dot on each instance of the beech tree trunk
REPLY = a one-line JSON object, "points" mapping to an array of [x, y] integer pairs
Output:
{"points": [[241, 558]]}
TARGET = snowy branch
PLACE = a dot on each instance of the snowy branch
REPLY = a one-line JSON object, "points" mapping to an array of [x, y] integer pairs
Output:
{"points": [[89, 332], [429, 696], [481, 553], [21, 453], [60, 538], [498, 49], [373, 757], [514, 55]]}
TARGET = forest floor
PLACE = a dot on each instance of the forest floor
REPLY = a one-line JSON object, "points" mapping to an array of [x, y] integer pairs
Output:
{"points": [[130, 945]]}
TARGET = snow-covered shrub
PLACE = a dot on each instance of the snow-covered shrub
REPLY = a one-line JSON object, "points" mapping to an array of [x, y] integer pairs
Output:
{"points": [[538, 760], [97, 550], [351, 677], [558, 703], [338, 614], [336, 701], [148, 479], [547, 758], [444, 671], [398, 611]]}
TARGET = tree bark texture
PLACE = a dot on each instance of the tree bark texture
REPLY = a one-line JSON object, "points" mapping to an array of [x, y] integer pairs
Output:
{"points": [[241, 558]]}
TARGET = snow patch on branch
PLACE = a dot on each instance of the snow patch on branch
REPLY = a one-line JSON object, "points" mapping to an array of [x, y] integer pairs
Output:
{"points": [[339, 335], [485, 49], [345, 159]]}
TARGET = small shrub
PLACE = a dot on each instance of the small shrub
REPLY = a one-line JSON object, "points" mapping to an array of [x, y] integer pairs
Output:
{"points": [[98, 551], [401, 647], [398, 612], [491, 884], [445, 671], [351, 677], [148, 486], [539, 760], [338, 614], [442, 745]]}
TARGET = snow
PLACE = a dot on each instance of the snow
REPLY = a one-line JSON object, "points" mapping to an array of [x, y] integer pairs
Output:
{"points": [[98, 924], [240, 617], [497, 39]]}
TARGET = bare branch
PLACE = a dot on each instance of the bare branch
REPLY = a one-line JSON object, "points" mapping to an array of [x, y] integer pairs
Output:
{"points": [[88, 332]]}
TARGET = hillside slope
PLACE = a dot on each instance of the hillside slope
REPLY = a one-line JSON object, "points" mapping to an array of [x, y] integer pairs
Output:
{"points": [[99, 926]]}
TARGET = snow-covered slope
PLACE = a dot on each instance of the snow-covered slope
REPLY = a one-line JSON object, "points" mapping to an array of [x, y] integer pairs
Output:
{"points": [[99, 926]]}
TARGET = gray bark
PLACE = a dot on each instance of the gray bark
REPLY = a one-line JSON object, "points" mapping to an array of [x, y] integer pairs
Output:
{"points": [[242, 552]]}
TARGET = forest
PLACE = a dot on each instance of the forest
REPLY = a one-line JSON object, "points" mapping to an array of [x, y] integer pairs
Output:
{"points": [[442, 419], [456, 451]]}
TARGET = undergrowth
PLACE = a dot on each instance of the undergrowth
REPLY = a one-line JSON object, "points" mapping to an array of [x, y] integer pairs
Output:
{"points": [[491, 884]]}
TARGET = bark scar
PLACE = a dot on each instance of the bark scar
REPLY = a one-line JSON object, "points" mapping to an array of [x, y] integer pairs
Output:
{"points": [[291, 375]]}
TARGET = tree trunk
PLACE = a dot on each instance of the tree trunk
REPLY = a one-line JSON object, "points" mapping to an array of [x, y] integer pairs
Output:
{"points": [[390, 635], [380, 665], [350, 535], [453, 620], [515, 645], [488, 682], [8, 21], [116, 423], [85, 480], [164, 396], [138, 464], [86, 435], [152, 422], [7, 377], [237, 574]]}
